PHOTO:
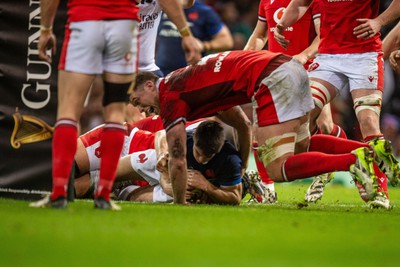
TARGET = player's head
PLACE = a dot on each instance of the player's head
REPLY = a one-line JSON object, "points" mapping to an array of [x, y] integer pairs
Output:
{"points": [[145, 89], [208, 140], [149, 111]]}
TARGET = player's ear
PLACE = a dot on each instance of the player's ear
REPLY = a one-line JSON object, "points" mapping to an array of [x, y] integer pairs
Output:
{"points": [[149, 84]]}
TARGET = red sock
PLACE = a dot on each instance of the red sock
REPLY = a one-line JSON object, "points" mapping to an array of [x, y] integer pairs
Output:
{"points": [[112, 141], [333, 145], [65, 138], [261, 169], [309, 164], [372, 137], [338, 132], [382, 180]]}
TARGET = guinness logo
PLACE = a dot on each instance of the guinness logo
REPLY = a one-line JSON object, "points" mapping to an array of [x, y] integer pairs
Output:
{"points": [[29, 129]]}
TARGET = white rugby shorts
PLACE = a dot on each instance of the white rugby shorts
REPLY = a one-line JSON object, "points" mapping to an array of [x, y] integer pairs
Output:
{"points": [[94, 47], [349, 71]]}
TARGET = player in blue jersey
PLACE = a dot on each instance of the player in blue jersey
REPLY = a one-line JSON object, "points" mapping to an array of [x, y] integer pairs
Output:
{"points": [[214, 169], [212, 35]]}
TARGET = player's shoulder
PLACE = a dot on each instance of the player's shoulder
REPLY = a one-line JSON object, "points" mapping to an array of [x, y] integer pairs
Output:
{"points": [[201, 7]]}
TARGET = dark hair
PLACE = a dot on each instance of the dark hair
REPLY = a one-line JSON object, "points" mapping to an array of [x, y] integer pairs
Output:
{"points": [[142, 77], [209, 137]]}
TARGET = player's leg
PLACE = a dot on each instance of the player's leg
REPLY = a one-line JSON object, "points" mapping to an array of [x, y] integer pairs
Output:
{"points": [[277, 153], [119, 64], [321, 122], [366, 91], [112, 138], [261, 177], [367, 107]]}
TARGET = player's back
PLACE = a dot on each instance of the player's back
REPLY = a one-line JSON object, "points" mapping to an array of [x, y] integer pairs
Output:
{"points": [[217, 82]]}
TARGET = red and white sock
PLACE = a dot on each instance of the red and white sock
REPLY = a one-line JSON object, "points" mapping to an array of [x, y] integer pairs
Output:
{"points": [[261, 168], [333, 145], [64, 148], [112, 141], [336, 131], [382, 179], [310, 164]]}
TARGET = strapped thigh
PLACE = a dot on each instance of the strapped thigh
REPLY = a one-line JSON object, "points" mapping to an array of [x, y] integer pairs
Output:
{"points": [[372, 102], [277, 146], [320, 94], [303, 132]]}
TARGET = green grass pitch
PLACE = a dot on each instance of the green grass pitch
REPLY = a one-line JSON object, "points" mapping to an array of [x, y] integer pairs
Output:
{"points": [[337, 231]]}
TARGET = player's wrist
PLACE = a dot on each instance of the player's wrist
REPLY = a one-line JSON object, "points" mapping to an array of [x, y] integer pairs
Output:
{"points": [[207, 46], [185, 31], [46, 29]]}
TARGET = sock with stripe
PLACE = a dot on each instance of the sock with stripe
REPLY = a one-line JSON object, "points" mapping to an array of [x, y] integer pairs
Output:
{"points": [[309, 164], [111, 144], [65, 138]]}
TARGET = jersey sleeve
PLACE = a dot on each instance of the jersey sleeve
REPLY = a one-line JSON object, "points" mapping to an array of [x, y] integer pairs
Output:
{"points": [[314, 10], [214, 23], [232, 167], [261, 12]]}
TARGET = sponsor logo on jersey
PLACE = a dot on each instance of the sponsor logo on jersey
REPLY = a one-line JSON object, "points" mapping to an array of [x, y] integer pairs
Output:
{"points": [[277, 17], [218, 63], [278, 14]]}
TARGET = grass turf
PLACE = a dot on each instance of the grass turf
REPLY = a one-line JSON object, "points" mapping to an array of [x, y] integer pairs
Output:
{"points": [[337, 231]]}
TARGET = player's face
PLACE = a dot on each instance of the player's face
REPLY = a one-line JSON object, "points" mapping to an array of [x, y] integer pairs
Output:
{"points": [[200, 157], [144, 96]]}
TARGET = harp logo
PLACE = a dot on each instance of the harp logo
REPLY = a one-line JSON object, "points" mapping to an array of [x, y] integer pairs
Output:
{"points": [[29, 129]]}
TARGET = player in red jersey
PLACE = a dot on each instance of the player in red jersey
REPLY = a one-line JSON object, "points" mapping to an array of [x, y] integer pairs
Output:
{"points": [[98, 41], [279, 90], [305, 36], [350, 58]]}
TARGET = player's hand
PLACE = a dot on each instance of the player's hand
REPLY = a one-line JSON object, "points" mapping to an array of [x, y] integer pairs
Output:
{"points": [[302, 58], [279, 37], [394, 60], [196, 180], [47, 41], [192, 49], [367, 28], [162, 163]]}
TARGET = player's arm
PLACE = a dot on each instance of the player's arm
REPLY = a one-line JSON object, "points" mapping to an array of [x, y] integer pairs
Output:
{"points": [[293, 13], [312, 50], [220, 42], [176, 139], [187, 3], [236, 118], [259, 37], [369, 27], [391, 42], [161, 147], [47, 39], [190, 45], [229, 195]]}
